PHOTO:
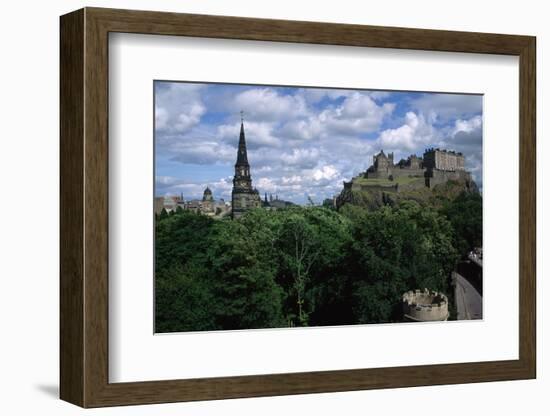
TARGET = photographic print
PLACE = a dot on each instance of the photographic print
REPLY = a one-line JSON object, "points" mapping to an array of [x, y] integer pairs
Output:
{"points": [[293, 206]]}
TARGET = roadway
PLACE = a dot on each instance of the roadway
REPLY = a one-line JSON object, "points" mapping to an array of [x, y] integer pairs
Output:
{"points": [[467, 298]]}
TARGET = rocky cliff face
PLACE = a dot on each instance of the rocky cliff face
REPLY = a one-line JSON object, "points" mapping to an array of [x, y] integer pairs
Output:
{"points": [[373, 195]]}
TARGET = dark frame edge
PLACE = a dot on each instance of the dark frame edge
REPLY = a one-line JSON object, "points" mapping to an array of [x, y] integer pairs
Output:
{"points": [[222, 388], [528, 208], [71, 335]]}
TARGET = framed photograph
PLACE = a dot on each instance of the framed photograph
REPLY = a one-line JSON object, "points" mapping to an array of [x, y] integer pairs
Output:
{"points": [[255, 207]]}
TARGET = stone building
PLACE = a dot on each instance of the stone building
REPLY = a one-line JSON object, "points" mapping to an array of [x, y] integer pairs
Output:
{"points": [[168, 203], [158, 204], [445, 160], [276, 203], [207, 205], [384, 168], [424, 306], [382, 165], [436, 166], [243, 196], [412, 162]]}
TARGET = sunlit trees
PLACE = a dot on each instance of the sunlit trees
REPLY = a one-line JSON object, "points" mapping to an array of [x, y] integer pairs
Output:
{"points": [[304, 265], [394, 250]]}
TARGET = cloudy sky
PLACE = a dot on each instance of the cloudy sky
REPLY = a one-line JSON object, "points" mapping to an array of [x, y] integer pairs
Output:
{"points": [[301, 141]]}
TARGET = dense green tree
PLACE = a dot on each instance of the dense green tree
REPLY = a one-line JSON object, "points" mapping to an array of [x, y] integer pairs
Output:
{"points": [[300, 266], [324, 236], [223, 274], [466, 216], [306, 248], [243, 278], [183, 300], [180, 238], [183, 296], [394, 250]]}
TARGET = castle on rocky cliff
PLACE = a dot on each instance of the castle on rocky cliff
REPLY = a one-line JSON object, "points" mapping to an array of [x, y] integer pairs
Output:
{"points": [[430, 165], [436, 166], [385, 182]]}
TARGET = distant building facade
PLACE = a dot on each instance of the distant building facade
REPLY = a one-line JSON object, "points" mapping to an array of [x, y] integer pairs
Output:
{"points": [[206, 206], [167, 202], [243, 196], [275, 203], [443, 160], [158, 204], [207, 201]]}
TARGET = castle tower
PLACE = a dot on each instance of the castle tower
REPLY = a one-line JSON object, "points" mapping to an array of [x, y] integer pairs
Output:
{"points": [[382, 165], [243, 196]]}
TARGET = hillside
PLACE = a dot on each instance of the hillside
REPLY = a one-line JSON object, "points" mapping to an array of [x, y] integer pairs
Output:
{"points": [[374, 193]]}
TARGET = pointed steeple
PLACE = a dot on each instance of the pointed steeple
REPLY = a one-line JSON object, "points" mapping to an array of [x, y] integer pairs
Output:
{"points": [[243, 196], [242, 157], [242, 168]]}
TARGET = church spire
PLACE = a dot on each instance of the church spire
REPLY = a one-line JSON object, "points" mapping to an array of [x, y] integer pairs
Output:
{"points": [[243, 196], [242, 157]]}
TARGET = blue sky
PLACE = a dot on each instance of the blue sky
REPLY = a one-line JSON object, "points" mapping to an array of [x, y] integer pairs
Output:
{"points": [[301, 141]]}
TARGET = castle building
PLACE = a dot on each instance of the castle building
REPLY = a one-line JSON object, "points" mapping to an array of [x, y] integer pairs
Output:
{"points": [[382, 163], [383, 167], [436, 166], [445, 160], [243, 196]]}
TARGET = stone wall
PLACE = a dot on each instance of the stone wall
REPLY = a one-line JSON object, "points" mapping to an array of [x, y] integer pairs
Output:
{"points": [[437, 177], [244, 200], [381, 188], [424, 306], [398, 172]]}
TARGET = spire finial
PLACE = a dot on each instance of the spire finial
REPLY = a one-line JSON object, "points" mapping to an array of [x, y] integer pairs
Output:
{"points": [[242, 116]]}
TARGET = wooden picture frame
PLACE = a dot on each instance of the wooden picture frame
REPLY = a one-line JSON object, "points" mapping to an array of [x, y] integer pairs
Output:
{"points": [[84, 207]]}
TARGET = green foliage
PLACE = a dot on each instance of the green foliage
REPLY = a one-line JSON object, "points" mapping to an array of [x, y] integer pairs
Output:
{"points": [[302, 265], [183, 300], [177, 238], [394, 250], [466, 216], [243, 278], [310, 248], [217, 268]]}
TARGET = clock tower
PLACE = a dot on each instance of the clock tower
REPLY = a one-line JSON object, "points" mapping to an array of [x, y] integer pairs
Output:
{"points": [[243, 196]]}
